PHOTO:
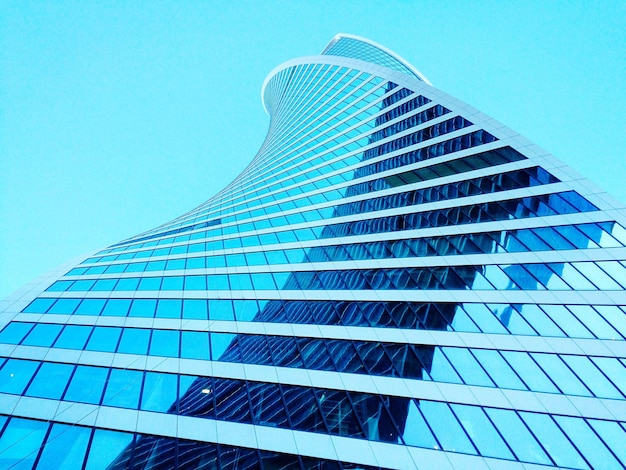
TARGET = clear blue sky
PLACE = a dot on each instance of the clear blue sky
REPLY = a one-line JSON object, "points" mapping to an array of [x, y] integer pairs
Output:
{"points": [[118, 116]]}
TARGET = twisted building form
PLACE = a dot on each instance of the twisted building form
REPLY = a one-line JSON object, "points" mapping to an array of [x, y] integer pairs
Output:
{"points": [[396, 280]]}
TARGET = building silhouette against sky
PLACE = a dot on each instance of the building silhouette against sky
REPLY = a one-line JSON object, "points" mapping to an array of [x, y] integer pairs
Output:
{"points": [[396, 280]]}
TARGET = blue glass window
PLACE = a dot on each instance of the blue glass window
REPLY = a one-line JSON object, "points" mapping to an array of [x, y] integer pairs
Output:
{"points": [[123, 388], [134, 341], [172, 283], [39, 306], [175, 264], [159, 392], [104, 285], [195, 283], [15, 375], [83, 285], [20, 442], [613, 434], [116, 308], [65, 447], [150, 283], [105, 447], [517, 435], [553, 440], [15, 332], [446, 427], [164, 343], [90, 307], [64, 306], [560, 374], [498, 369], [263, 281], [587, 442], [155, 266], [482, 432], [87, 385], [168, 308], [245, 310], [73, 337], [142, 308], [195, 309], [529, 372], [127, 284], [50, 380], [219, 343], [42, 335], [195, 345], [221, 310], [416, 431], [104, 339]]}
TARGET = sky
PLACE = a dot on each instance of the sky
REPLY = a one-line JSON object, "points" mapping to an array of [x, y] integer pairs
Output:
{"points": [[118, 116]]}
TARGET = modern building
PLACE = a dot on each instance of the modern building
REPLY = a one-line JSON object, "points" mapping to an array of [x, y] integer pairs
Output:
{"points": [[396, 280]]}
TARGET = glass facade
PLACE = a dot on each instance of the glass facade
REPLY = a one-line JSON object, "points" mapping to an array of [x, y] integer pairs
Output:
{"points": [[395, 281]]}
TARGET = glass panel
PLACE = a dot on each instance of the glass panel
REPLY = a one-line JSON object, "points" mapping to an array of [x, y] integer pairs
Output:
{"points": [[416, 431], [195, 309], [593, 378], [245, 310], [553, 440], [498, 369], [172, 283], [482, 432], [65, 447], [614, 370], [15, 375], [615, 317], [20, 443], [90, 307], [50, 381], [529, 372], [105, 448], [42, 335], [441, 370], [614, 436], [195, 345], [15, 332], [560, 374], [221, 310], [39, 306], [104, 339], [195, 283], [159, 392], [164, 343], [123, 388], [73, 337], [587, 442], [446, 427], [219, 343], [517, 435], [87, 385], [566, 321], [598, 326], [134, 341], [169, 308], [143, 308], [64, 306], [467, 367], [116, 307], [150, 283]]}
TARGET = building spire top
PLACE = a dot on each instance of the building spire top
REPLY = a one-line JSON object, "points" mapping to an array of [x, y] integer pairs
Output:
{"points": [[349, 45]]}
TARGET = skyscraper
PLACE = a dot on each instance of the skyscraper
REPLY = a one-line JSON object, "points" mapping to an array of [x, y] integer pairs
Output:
{"points": [[396, 280]]}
